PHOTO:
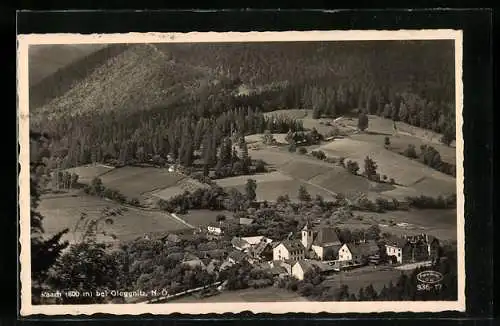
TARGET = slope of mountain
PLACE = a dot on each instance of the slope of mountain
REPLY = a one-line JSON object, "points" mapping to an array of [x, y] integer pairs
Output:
{"points": [[54, 69], [426, 65], [126, 77]]}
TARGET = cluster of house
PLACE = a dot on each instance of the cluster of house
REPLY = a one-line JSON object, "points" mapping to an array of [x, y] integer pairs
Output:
{"points": [[320, 249]]}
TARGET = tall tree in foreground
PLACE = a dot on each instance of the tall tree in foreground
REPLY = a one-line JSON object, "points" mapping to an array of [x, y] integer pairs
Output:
{"points": [[44, 251]]}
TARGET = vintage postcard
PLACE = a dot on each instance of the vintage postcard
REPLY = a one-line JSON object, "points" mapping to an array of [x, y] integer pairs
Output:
{"points": [[269, 172]]}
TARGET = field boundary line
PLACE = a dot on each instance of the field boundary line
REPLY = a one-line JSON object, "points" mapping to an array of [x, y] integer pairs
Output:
{"points": [[182, 221], [309, 183]]}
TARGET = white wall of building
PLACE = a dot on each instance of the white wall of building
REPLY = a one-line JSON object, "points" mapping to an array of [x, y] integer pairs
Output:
{"points": [[344, 253]]}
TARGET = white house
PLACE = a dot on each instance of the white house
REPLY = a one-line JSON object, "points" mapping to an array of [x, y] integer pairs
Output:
{"points": [[289, 250], [345, 253], [216, 229], [395, 251], [300, 268], [357, 252]]}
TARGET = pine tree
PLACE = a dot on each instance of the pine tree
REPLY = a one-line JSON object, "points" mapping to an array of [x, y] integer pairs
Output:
{"points": [[250, 190], [362, 121], [370, 168], [304, 195]]}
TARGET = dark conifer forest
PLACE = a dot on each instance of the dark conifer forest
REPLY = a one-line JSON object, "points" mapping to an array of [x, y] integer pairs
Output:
{"points": [[190, 96]]}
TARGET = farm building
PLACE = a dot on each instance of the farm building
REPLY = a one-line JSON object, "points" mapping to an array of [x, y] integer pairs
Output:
{"points": [[302, 267], [215, 229], [246, 243], [359, 253], [412, 249], [289, 250]]}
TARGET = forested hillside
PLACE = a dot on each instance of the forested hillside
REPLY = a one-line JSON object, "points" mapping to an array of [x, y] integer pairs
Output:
{"points": [[132, 101]]}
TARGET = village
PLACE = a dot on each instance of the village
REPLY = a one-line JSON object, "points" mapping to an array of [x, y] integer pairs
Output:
{"points": [[317, 249]]}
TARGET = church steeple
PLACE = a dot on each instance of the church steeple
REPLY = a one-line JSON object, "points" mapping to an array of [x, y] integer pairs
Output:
{"points": [[307, 236]]}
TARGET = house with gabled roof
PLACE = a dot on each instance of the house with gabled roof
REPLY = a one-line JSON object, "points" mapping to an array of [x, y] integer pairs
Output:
{"points": [[399, 249], [302, 267], [322, 243], [358, 253], [289, 250]]}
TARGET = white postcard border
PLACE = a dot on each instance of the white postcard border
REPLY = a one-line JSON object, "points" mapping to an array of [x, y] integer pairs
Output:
{"points": [[26, 309]]}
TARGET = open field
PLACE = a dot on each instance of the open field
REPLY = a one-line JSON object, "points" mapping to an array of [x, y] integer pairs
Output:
{"points": [[385, 126], [274, 184], [135, 181], [257, 138], [378, 129], [358, 278], [203, 217], [269, 294], [441, 223], [88, 172], [405, 171], [178, 188], [64, 212], [336, 179]]}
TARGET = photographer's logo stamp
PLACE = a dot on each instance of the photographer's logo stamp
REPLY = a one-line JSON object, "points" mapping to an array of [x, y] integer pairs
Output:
{"points": [[429, 280]]}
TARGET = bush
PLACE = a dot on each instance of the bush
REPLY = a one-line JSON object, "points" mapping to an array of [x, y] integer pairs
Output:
{"points": [[134, 202], [352, 167], [342, 161], [410, 151], [320, 155], [302, 150], [430, 202], [387, 141], [392, 181], [384, 177]]}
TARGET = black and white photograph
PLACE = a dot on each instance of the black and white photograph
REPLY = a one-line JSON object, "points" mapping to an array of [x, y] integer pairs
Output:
{"points": [[226, 172]]}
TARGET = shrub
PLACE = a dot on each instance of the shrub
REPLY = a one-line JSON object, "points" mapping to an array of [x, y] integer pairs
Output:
{"points": [[384, 177], [302, 150], [134, 202], [387, 141], [410, 151], [320, 155], [342, 161], [352, 167], [392, 181]]}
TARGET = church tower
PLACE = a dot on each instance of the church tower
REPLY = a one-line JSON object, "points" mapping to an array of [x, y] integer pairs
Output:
{"points": [[307, 236]]}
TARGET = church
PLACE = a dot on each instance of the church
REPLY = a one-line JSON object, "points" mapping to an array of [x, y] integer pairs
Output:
{"points": [[316, 243]]}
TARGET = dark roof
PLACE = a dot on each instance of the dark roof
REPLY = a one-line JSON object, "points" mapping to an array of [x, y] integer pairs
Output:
{"points": [[238, 242], [363, 249], [306, 266], [326, 236], [399, 242], [292, 245], [237, 255], [260, 248]]}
